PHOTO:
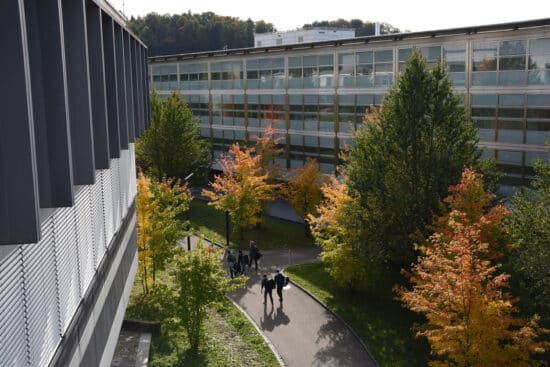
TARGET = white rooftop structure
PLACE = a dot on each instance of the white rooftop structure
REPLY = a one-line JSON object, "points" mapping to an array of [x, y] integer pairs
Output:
{"points": [[302, 36]]}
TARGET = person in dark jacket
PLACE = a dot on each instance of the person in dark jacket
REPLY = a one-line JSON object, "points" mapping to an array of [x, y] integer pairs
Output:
{"points": [[254, 255], [242, 260], [230, 259], [267, 288], [280, 282]]}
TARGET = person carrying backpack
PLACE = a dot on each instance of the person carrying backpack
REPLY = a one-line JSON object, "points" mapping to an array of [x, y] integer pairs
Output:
{"points": [[280, 281], [267, 288]]}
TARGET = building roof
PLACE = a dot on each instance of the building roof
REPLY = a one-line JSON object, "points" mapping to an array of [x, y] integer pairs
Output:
{"points": [[359, 40]]}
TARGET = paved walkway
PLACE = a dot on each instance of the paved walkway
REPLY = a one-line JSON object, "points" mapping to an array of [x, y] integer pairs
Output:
{"points": [[302, 331]]}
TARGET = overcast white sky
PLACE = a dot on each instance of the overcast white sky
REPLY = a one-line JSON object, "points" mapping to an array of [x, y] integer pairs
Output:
{"points": [[412, 15]]}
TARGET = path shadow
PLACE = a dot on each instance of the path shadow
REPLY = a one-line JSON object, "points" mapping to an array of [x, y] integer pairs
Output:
{"points": [[340, 347], [273, 317]]}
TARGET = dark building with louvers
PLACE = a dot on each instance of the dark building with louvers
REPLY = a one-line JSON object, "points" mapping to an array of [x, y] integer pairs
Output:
{"points": [[73, 99]]}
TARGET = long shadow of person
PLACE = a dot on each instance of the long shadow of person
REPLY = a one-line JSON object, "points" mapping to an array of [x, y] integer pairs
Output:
{"points": [[281, 317], [266, 321]]}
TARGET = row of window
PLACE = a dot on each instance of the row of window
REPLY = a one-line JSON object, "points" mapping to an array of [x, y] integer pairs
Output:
{"points": [[512, 118], [507, 118], [516, 164], [493, 63]]}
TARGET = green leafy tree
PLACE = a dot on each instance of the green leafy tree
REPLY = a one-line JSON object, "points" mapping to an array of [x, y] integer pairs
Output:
{"points": [[159, 206], [403, 161], [172, 146], [361, 28], [263, 27], [170, 34], [530, 229], [199, 282]]}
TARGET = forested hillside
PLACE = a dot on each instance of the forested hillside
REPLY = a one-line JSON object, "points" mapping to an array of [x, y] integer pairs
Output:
{"points": [[188, 32]]}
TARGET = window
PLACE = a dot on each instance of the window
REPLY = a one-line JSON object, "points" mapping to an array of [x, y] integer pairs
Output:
{"points": [[455, 59], [484, 63], [538, 119], [510, 118], [539, 61], [484, 114], [383, 68], [346, 70], [364, 69], [512, 62]]}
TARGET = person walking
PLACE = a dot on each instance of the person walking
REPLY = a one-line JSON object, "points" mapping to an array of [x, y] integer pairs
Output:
{"points": [[280, 282], [254, 255], [230, 259], [246, 261], [267, 288], [241, 261]]}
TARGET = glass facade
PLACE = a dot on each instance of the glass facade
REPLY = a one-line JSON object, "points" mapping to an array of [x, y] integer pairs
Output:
{"points": [[315, 99]]}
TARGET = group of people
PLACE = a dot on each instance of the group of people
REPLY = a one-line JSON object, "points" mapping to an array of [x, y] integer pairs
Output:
{"points": [[238, 265], [268, 284]]}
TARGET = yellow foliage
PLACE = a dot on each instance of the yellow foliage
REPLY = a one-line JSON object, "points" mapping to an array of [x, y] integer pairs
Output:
{"points": [[242, 188], [145, 207], [303, 190], [337, 229], [158, 205]]}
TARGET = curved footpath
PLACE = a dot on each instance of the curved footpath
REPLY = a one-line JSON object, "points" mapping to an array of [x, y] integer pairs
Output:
{"points": [[302, 331]]}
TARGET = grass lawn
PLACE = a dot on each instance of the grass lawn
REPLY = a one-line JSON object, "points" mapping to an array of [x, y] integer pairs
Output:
{"points": [[274, 233], [380, 321], [229, 339]]}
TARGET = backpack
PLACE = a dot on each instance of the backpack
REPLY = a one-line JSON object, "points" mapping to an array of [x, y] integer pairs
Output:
{"points": [[230, 258], [270, 284]]}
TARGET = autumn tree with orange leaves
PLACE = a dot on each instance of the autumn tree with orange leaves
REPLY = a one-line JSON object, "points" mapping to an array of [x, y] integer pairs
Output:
{"points": [[242, 188], [266, 148], [158, 205], [303, 190], [463, 294]]}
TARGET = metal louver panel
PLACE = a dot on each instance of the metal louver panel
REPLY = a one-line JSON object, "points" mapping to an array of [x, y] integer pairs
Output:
{"points": [[66, 252], [98, 233], [115, 175], [84, 227], [107, 188], [41, 296], [133, 175], [13, 342], [123, 174]]}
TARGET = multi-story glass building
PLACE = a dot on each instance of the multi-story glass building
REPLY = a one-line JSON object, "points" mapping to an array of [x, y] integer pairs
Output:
{"points": [[316, 94], [73, 98]]}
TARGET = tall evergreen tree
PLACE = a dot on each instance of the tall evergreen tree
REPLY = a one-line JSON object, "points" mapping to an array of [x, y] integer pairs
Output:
{"points": [[172, 146], [530, 229], [402, 162]]}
